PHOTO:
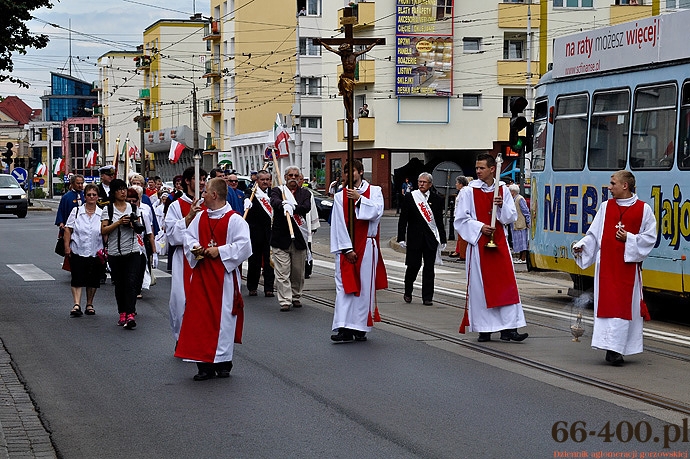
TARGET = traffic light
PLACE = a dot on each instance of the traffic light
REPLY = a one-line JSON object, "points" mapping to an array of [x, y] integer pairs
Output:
{"points": [[517, 124], [8, 154]]}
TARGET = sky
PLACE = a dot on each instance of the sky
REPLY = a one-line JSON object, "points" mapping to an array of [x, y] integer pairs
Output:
{"points": [[97, 26]]}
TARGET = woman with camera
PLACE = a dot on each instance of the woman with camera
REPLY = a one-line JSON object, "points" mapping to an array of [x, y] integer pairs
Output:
{"points": [[147, 243], [121, 222], [83, 242]]}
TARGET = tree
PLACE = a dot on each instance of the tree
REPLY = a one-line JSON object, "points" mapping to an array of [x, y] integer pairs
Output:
{"points": [[15, 36]]}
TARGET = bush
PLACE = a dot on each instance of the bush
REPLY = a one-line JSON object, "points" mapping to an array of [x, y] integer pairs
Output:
{"points": [[38, 193]]}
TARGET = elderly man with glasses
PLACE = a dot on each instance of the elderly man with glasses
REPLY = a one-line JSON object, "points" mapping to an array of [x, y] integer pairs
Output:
{"points": [[235, 197], [421, 218], [291, 203]]}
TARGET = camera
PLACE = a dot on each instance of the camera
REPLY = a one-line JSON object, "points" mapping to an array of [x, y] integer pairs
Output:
{"points": [[137, 226]]}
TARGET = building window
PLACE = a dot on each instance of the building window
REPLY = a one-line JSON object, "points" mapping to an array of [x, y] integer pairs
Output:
{"points": [[311, 122], [629, 2], [471, 45], [471, 100], [310, 86], [444, 9], [308, 48], [573, 3], [673, 4], [512, 49], [312, 7]]}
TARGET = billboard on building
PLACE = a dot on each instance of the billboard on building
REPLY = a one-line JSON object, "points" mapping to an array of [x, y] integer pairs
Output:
{"points": [[424, 48]]}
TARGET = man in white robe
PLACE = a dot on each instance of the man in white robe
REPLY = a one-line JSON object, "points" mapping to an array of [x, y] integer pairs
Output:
{"points": [[493, 301], [216, 243], [359, 268], [180, 214], [621, 236]]}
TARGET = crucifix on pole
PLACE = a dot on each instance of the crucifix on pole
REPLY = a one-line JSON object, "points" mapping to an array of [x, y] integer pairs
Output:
{"points": [[346, 88]]}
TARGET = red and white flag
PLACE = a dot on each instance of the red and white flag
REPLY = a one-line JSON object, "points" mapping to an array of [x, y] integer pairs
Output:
{"points": [[91, 159], [134, 152], [176, 149], [281, 138]]}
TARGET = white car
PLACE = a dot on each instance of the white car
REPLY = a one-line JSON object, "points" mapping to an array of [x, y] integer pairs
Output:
{"points": [[13, 198]]}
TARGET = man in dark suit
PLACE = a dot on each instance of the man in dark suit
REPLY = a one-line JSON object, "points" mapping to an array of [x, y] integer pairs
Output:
{"points": [[259, 215], [107, 176], [421, 217], [293, 202]]}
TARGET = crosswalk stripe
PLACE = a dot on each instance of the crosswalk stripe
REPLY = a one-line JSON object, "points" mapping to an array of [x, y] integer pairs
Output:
{"points": [[161, 274], [30, 272]]}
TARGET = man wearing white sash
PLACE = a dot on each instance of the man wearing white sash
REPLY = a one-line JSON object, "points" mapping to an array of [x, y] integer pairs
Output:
{"points": [[290, 254], [421, 218], [259, 218]]}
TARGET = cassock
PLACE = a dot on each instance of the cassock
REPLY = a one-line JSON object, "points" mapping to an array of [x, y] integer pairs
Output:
{"points": [[618, 318], [356, 284], [214, 314], [175, 230], [493, 302]]}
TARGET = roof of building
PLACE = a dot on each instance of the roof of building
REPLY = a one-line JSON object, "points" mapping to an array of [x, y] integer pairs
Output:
{"points": [[16, 109]]}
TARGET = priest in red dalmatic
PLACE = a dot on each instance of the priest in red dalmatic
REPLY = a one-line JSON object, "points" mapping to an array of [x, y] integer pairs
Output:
{"points": [[621, 236], [359, 268], [216, 243]]}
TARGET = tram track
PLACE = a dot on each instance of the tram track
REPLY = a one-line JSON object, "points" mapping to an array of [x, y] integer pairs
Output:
{"points": [[591, 381]]}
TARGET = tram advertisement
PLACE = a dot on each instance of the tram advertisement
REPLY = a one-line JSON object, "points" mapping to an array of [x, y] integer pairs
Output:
{"points": [[424, 48]]}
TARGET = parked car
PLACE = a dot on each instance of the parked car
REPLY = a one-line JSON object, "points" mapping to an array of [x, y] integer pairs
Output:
{"points": [[324, 204], [12, 197]]}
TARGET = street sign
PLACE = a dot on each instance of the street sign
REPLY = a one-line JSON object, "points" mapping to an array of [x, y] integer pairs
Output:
{"points": [[20, 174]]}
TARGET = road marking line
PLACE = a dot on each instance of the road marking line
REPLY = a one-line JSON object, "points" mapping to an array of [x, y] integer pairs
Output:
{"points": [[161, 274], [389, 263], [30, 272]]}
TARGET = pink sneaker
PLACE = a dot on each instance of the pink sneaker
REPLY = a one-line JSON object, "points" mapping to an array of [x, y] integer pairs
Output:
{"points": [[130, 323], [123, 319]]}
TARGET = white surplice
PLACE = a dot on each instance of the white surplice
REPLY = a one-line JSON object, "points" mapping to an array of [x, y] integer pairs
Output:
{"points": [[175, 230], [618, 335], [483, 319], [353, 311]]}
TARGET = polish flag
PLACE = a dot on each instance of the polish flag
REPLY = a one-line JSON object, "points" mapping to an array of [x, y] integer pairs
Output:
{"points": [[91, 159], [176, 149], [281, 137], [133, 152], [59, 166]]}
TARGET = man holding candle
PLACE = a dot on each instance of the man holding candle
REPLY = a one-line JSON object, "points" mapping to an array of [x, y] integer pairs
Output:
{"points": [[493, 301]]}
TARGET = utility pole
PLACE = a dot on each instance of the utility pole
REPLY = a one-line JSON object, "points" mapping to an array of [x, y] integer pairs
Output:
{"points": [[297, 109], [528, 94], [142, 123]]}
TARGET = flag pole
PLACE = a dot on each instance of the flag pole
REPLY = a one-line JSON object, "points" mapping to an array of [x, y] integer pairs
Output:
{"points": [[282, 189], [251, 198]]}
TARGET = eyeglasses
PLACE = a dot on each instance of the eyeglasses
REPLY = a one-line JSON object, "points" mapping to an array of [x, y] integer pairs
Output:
{"points": [[293, 175], [91, 195]]}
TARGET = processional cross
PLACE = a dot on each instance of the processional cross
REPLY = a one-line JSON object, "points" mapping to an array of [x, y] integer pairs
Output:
{"points": [[346, 88]]}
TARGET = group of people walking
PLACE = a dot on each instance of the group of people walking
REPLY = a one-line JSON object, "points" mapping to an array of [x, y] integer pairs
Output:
{"points": [[210, 240]]}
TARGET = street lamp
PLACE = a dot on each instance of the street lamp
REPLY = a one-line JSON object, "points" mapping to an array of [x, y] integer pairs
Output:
{"points": [[141, 121], [197, 155]]}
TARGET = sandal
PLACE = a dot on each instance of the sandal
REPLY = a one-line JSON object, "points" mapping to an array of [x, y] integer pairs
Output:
{"points": [[76, 311], [284, 308], [90, 311]]}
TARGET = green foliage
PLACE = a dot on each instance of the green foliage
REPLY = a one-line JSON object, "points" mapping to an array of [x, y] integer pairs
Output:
{"points": [[38, 193], [15, 36]]}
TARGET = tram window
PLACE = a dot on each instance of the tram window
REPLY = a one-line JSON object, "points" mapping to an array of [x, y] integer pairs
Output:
{"points": [[684, 131], [541, 109], [654, 127], [608, 137], [570, 133]]}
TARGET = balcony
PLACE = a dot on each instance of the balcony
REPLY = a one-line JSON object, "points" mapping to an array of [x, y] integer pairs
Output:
{"points": [[365, 130], [145, 93], [143, 62], [625, 13], [212, 145], [211, 107], [515, 72], [514, 15], [212, 68], [365, 14], [212, 31], [96, 86], [365, 71], [97, 110]]}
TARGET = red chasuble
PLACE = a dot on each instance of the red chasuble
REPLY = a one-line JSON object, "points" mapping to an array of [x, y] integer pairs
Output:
{"points": [[202, 318], [500, 288], [615, 275], [349, 272]]}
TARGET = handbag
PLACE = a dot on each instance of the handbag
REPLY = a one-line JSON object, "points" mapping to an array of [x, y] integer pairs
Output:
{"points": [[60, 244], [102, 255]]}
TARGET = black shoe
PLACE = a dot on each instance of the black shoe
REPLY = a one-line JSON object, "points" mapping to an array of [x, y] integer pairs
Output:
{"points": [[204, 375], [360, 335], [407, 298], [252, 293], [269, 294], [428, 303], [614, 358], [343, 336], [484, 337], [296, 304], [513, 335], [223, 369]]}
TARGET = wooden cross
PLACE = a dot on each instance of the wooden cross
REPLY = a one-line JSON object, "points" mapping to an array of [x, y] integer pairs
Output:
{"points": [[346, 88]]}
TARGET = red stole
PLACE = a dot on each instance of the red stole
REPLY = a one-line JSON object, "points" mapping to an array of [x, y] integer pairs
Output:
{"points": [[351, 273], [185, 207], [500, 289], [201, 324], [615, 275]]}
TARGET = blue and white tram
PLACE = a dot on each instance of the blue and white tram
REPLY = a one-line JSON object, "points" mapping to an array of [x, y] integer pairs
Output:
{"points": [[596, 113]]}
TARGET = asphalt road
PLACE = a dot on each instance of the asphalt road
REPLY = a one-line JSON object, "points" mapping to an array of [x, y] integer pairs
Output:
{"points": [[106, 392]]}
